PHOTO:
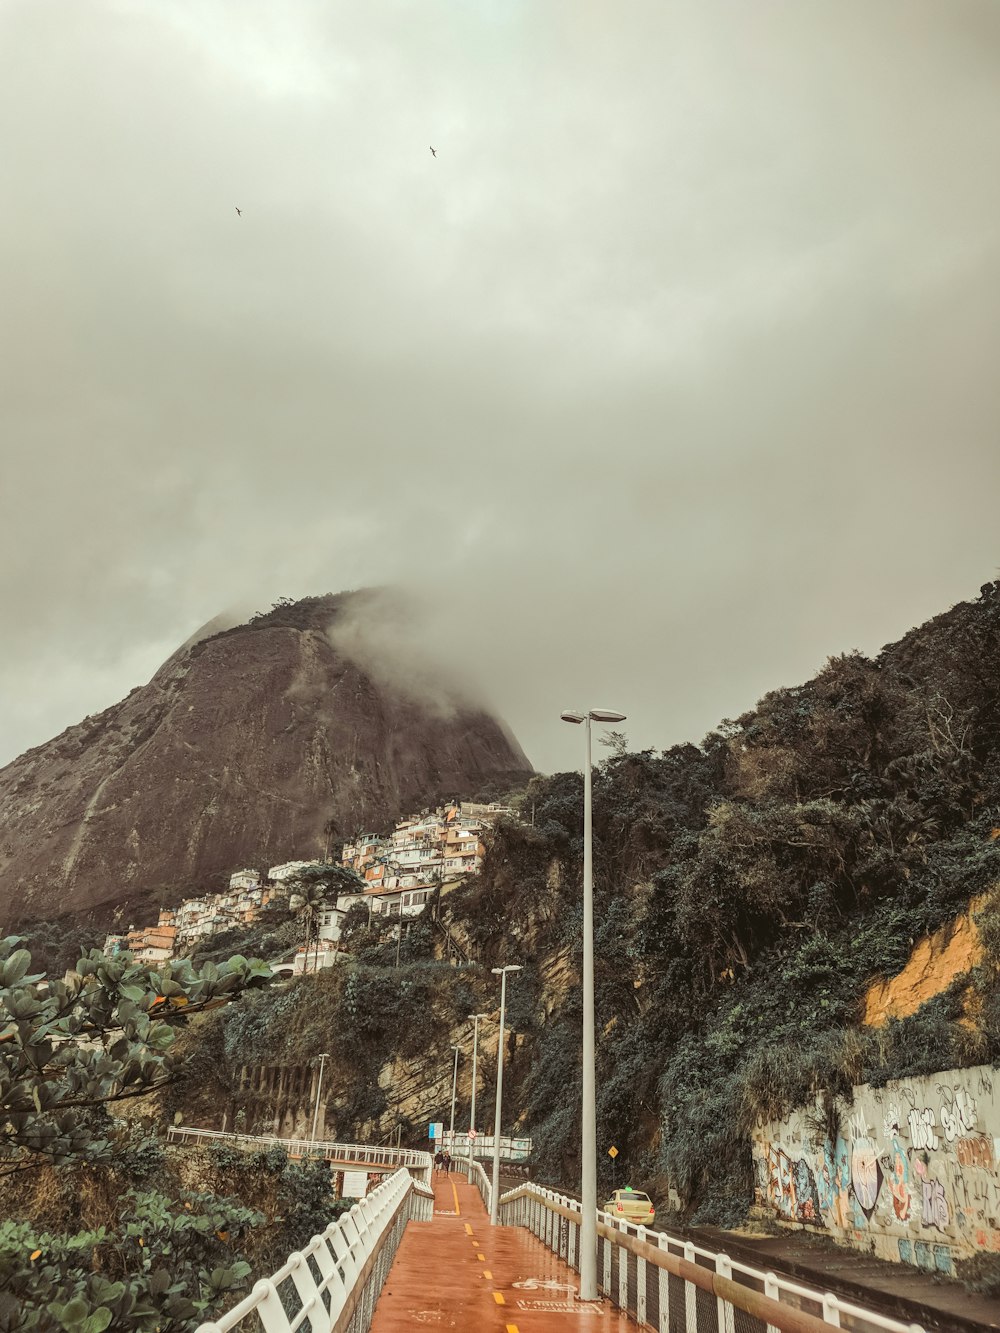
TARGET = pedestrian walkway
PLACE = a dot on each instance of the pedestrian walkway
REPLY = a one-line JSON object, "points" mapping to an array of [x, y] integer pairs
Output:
{"points": [[459, 1272]]}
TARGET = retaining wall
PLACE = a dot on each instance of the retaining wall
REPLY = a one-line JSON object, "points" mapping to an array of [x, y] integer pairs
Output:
{"points": [[913, 1174]]}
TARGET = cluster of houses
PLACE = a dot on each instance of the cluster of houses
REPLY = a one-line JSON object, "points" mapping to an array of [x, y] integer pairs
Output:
{"points": [[398, 873]]}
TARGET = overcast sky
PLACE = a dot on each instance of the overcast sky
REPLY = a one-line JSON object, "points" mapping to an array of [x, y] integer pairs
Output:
{"points": [[672, 374]]}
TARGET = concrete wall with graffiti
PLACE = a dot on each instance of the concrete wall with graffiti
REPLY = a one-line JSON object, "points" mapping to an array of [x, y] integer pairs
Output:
{"points": [[913, 1174]]}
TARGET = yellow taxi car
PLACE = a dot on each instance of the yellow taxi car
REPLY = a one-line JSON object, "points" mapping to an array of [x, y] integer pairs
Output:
{"points": [[631, 1206]]}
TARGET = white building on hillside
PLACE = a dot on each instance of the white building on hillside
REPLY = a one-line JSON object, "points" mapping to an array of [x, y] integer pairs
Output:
{"points": [[287, 870]]}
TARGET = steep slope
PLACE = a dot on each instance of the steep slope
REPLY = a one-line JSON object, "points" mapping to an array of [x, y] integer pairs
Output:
{"points": [[748, 893], [250, 746]]}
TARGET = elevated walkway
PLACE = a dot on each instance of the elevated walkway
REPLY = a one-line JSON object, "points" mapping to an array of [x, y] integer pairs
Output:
{"points": [[456, 1271], [340, 1156], [409, 1254]]}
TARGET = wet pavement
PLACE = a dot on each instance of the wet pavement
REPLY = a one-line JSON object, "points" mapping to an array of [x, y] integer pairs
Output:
{"points": [[459, 1272]]}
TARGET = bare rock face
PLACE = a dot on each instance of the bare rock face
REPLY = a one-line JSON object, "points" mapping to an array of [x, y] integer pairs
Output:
{"points": [[248, 747]]}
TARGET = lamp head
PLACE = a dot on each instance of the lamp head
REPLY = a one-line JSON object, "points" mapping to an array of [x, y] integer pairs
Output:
{"points": [[571, 716], [606, 715]]}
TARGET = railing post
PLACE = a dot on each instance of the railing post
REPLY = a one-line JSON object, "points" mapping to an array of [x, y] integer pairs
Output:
{"points": [[270, 1310], [663, 1244], [623, 1258], [305, 1285], [831, 1309], [724, 1268], [690, 1294], [330, 1274], [606, 1266], [343, 1253], [773, 1290], [640, 1281]]}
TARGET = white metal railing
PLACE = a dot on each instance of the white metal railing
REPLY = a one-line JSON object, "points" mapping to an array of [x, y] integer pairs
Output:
{"points": [[458, 1144], [660, 1278], [483, 1184], [351, 1154], [334, 1283]]}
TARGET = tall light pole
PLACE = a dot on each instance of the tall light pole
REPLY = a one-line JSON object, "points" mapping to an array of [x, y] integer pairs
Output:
{"points": [[319, 1089], [454, 1090], [472, 1110], [475, 1019], [588, 1138], [501, 972]]}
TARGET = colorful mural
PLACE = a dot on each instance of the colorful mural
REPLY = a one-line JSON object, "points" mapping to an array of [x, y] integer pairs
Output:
{"points": [[912, 1175]]}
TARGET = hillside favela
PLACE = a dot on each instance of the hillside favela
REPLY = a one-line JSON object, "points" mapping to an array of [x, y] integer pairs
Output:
{"points": [[500, 667]]}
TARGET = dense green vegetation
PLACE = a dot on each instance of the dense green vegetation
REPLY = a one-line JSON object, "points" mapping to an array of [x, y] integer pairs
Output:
{"points": [[365, 1014], [275, 933], [747, 892], [99, 1232]]}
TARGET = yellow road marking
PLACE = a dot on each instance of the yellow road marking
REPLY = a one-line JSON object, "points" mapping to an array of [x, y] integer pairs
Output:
{"points": [[458, 1206], [468, 1229], [487, 1274], [481, 1258], [512, 1328], [498, 1297]]}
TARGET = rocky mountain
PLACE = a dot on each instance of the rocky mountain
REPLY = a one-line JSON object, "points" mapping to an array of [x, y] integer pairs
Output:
{"points": [[250, 746]]}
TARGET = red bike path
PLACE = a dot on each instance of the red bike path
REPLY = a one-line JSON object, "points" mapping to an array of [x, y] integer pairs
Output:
{"points": [[458, 1272]]}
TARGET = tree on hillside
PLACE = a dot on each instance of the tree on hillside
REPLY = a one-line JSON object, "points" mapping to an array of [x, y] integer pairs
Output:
{"points": [[313, 887]]}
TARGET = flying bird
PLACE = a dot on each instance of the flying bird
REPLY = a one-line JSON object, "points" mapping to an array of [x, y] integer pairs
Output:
{"points": [[239, 211], [434, 151]]}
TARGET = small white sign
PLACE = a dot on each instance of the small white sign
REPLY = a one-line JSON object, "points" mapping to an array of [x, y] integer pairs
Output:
{"points": [[355, 1185]]}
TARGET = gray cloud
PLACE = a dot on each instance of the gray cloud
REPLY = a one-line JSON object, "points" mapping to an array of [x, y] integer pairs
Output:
{"points": [[669, 376]]}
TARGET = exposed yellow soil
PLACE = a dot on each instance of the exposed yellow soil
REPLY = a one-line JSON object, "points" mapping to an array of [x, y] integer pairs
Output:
{"points": [[935, 962]]}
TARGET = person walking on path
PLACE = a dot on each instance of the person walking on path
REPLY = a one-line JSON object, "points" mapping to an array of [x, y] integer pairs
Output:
{"points": [[439, 1160], [447, 1160]]}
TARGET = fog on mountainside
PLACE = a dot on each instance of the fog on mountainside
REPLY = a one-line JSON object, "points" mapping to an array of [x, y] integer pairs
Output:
{"points": [[253, 744]]}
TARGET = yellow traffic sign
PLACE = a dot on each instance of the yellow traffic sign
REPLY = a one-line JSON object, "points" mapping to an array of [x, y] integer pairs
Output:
{"points": [[612, 1152]]}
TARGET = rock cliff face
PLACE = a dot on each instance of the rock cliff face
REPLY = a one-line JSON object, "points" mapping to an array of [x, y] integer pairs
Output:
{"points": [[248, 747]]}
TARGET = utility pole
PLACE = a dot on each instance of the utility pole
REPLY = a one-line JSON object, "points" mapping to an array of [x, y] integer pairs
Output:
{"points": [[454, 1090], [472, 1110], [319, 1089], [588, 1145], [495, 1193]]}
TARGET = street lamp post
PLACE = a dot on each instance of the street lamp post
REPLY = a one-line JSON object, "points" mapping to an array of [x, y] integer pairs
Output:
{"points": [[588, 1138], [495, 1194], [472, 1110], [319, 1089], [454, 1090]]}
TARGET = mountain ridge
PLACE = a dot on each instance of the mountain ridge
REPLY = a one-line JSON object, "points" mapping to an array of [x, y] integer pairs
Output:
{"points": [[256, 743]]}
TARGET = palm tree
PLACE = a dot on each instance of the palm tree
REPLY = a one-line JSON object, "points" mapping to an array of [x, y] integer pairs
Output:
{"points": [[312, 886]]}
